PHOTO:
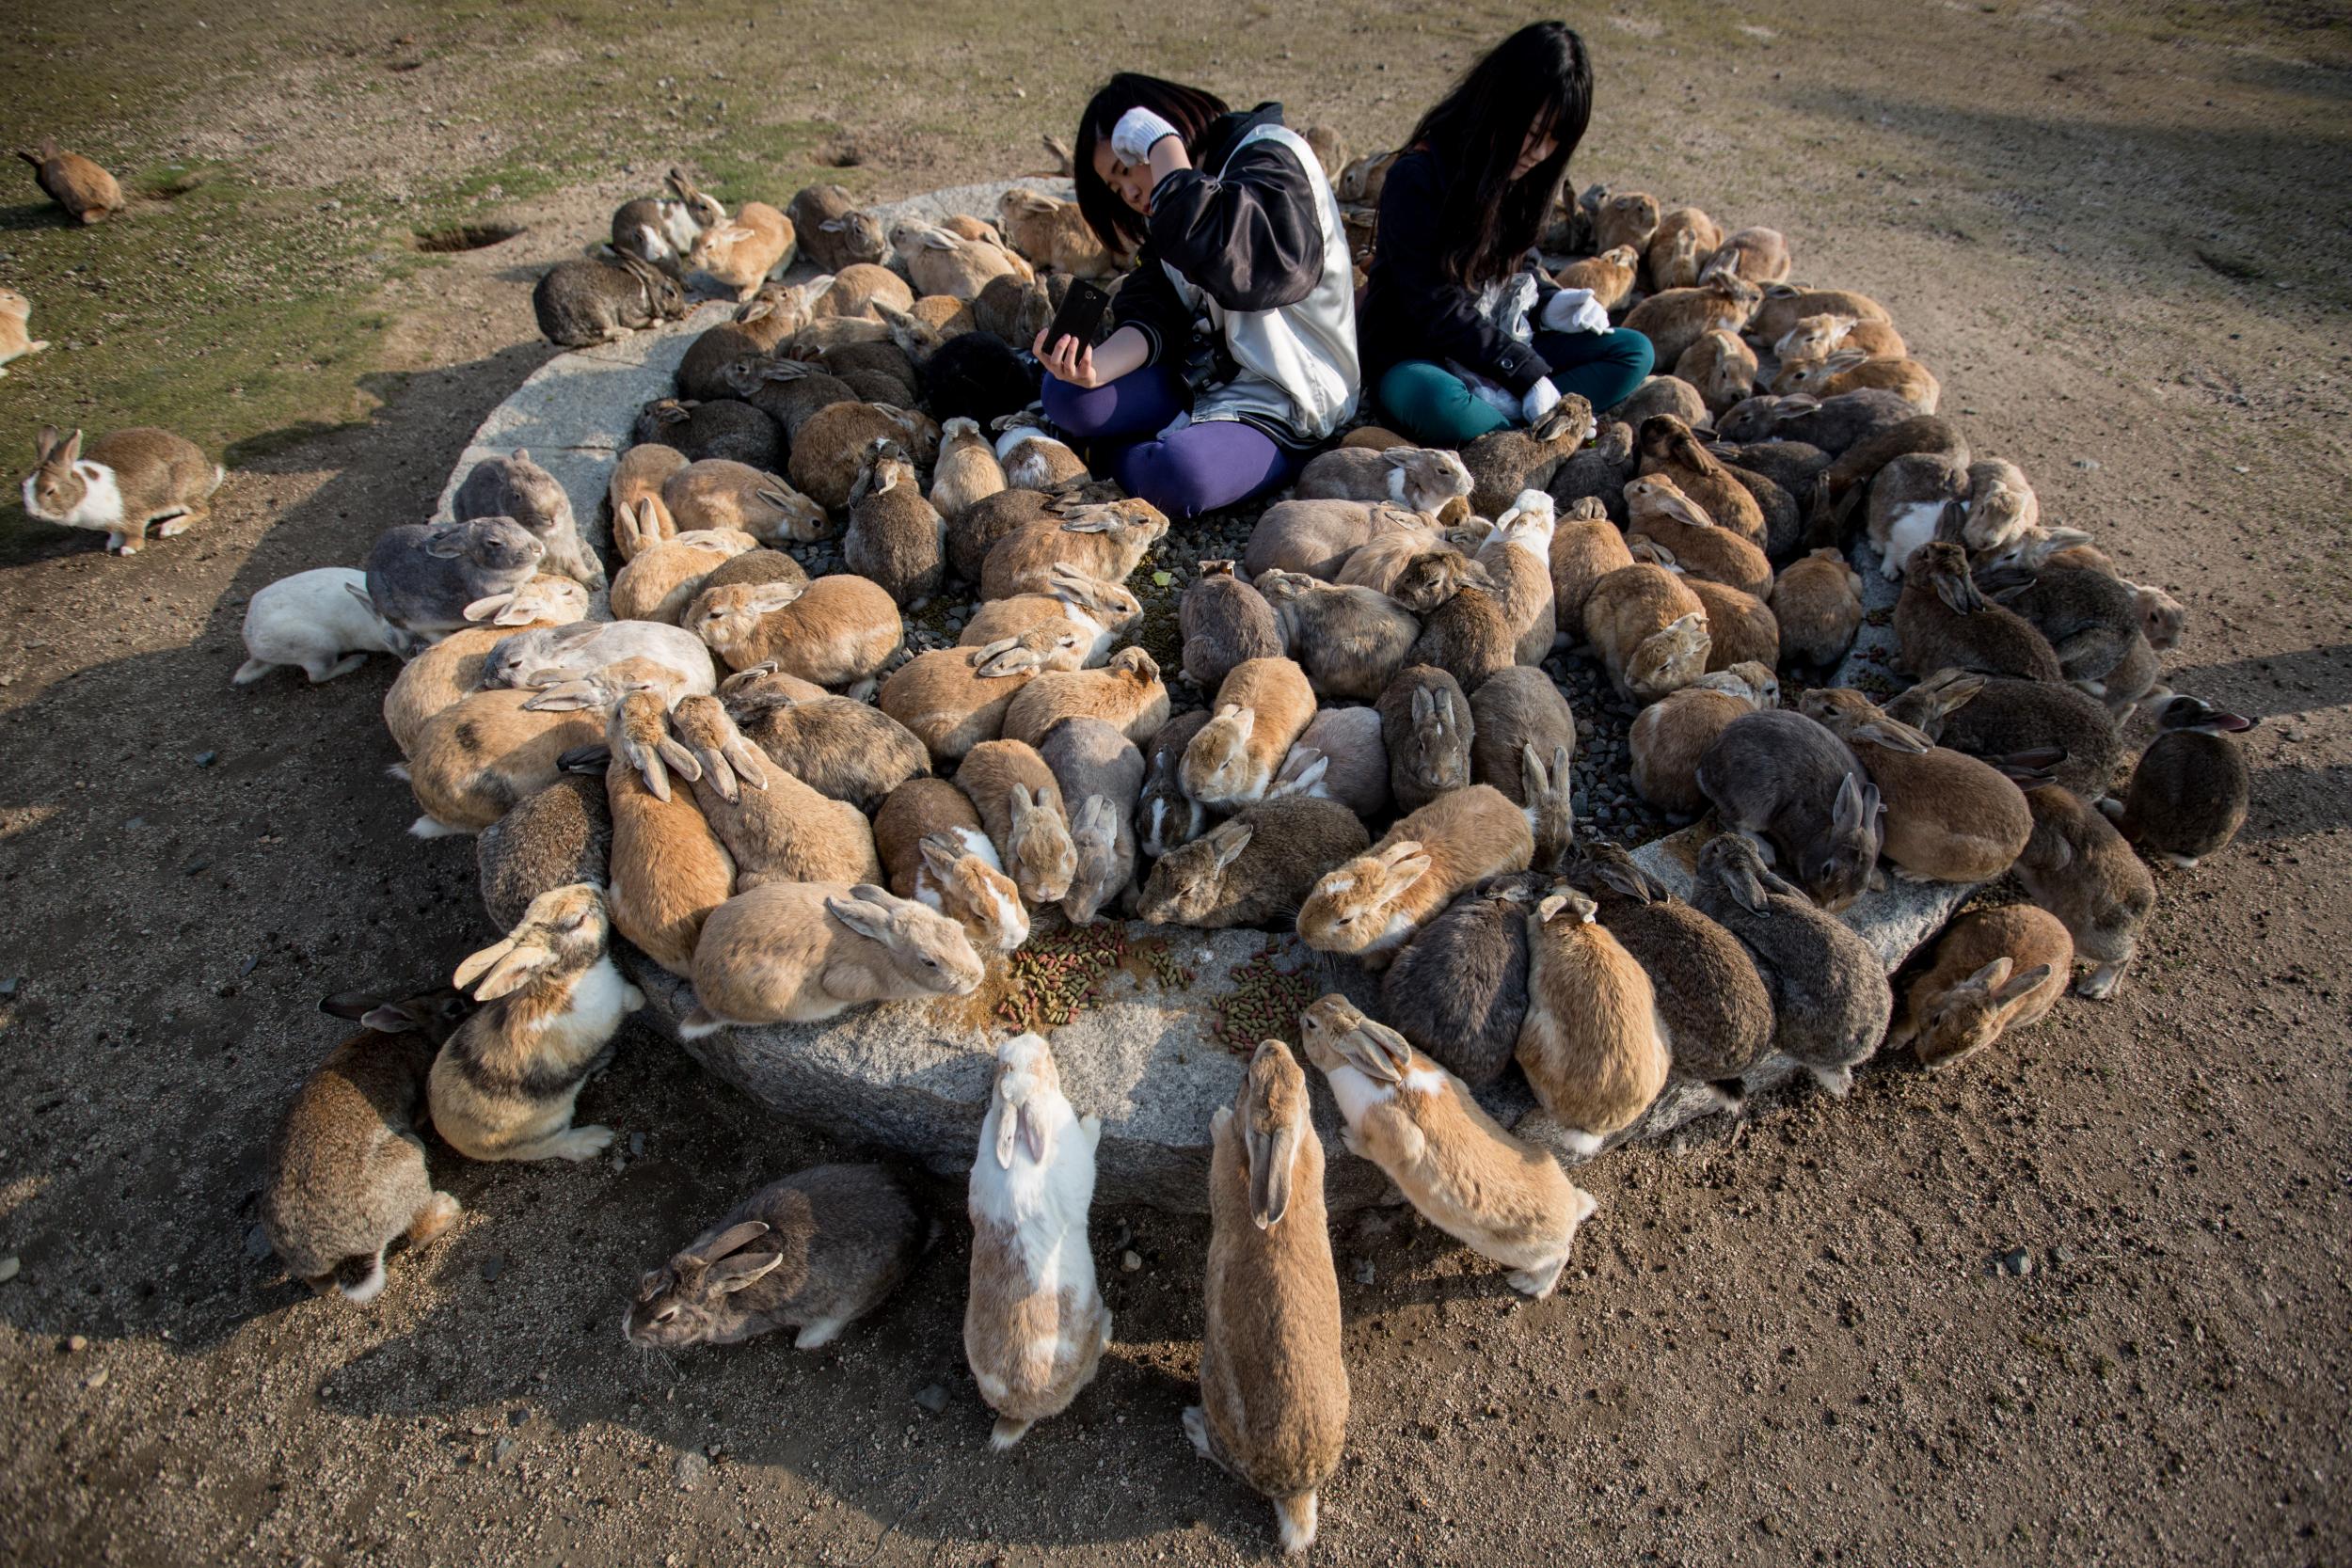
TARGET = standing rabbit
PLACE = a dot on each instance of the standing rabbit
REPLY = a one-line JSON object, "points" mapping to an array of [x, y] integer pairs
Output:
{"points": [[121, 484], [347, 1173], [813, 1252], [1485, 1188], [1593, 1045], [1272, 1410], [1034, 1325], [2188, 796]]}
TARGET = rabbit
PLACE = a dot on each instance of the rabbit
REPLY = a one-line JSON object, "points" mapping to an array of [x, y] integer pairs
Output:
{"points": [[1998, 718], [1341, 756], [1815, 336], [1675, 318], [1100, 773], [662, 580], [1834, 425], [2090, 618], [881, 373], [663, 229], [708, 368], [1020, 804], [1700, 546], [1830, 999], [729, 428], [1425, 479], [73, 181], [1598, 473], [636, 479], [1107, 542], [2081, 870], [504, 1085], [436, 680], [1100, 613], [804, 952], [669, 868], [944, 262], [1671, 452], [967, 469], [1781, 777], [831, 449], [814, 1253], [1224, 622], [1942, 622], [1796, 467], [1406, 1113], [1016, 308], [1429, 731], [1787, 304], [1593, 1044], [1759, 255], [717, 495], [834, 631], [422, 578], [1351, 642], [1584, 550], [475, 758], [1610, 276], [1627, 218], [1516, 559], [938, 854], [1469, 637], [1665, 393], [952, 699], [1685, 239], [520, 490], [1718, 1015], [1316, 536], [1034, 1324], [838, 747], [1909, 499], [1818, 605], [2188, 794], [745, 250], [529, 658], [16, 341], [787, 394], [1849, 370], [774, 827], [121, 484], [1053, 233], [1034, 460], [1670, 736], [580, 303], [1261, 708], [2001, 505], [1994, 970], [1949, 817], [320, 620], [1254, 869], [1741, 627], [1649, 629], [1371, 906], [1362, 179], [1721, 366], [1274, 1396], [1513, 709], [1504, 462], [861, 289], [833, 233], [549, 839], [1126, 692], [1458, 991], [1165, 816], [973, 532], [347, 1173], [895, 538], [1415, 566]]}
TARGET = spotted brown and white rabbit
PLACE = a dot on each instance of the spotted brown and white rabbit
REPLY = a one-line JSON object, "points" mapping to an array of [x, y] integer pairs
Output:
{"points": [[121, 484]]}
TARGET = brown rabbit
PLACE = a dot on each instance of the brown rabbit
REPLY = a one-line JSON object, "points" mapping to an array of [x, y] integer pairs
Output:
{"points": [[1649, 629], [895, 538], [1351, 642], [122, 484], [1255, 867], [740, 253], [669, 868], [1505, 462], [1818, 604], [2080, 869], [1585, 548], [637, 479], [1685, 237], [1106, 541], [1701, 546], [1851, 370], [1815, 336], [1721, 366], [2189, 793], [1673, 319], [1272, 1410], [74, 181], [775, 828], [1469, 637], [1371, 906], [1759, 255], [1593, 1045], [1261, 707], [1627, 218], [835, 630], [1427, 728], [804, 952], [1021, 805], [720, 494], [1994, 970], [1610, 276], [663, 576], [952, 699], [1100, 612], [1225, 622], [1784, 305], [1126, 694], [1669, 450], [478, 756], [1942, 622], [938, 853], [347, 1173], [1670, 736], [1741, 627], [1949, 817]]}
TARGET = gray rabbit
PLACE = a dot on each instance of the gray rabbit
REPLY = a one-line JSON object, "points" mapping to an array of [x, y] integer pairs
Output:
{"points": [[1781, 776], [518, 488], [581, 302], [422, 575], [1459, 989]]}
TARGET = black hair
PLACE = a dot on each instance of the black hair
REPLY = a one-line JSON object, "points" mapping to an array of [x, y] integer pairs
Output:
{"points": [[1191, 110], [1538, 76]]}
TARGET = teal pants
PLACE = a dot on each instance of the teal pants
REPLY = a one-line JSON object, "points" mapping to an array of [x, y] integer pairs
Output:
{"points": [[1432, 404]]}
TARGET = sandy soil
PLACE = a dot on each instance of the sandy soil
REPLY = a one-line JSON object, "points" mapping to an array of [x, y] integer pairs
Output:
{"points": [[2117, 236]]}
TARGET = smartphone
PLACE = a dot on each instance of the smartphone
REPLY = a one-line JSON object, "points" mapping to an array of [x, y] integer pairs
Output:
{"points": [[1080, 316]]}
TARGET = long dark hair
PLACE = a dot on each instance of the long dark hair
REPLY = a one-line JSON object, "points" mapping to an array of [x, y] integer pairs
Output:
{"points": [[1191, 110], [1537, 77]]}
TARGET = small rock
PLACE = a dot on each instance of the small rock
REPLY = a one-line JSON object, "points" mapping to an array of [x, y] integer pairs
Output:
{"points": [[1364, 1271], [75, 1344], [96, 1379], [2087, 465], [2061, 1253], [691, 1470], [931, 1396], [500, 1449], [8, 987], [205, 759], [256, 1242], [10, 1267], [492, 1267], [2017, 1261], [636, 1146], [1129, 1263]]}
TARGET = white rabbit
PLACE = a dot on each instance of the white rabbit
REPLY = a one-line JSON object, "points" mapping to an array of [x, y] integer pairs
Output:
{"points": [[322, 620]]}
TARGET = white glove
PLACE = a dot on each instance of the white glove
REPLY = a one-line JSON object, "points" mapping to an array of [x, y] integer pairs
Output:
{"points": [[1575, 311], [1541, 399], [1137, 132]]}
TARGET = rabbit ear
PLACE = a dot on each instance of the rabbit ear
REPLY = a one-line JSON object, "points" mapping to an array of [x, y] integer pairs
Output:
{"points": [[447, 543], [687, 766], [1993, 974], [2018, 985], [1531, 776], [511, 971], [1625, 877], [1574, 901], [1403, 873], [1739, 880], [1682, 509], [367, 598], [487, 609], [730, 1240], [1846, 815], [1424, 705], [861, 914], [741, 1270], [1894, 736], [1302, 770], [1229, 840], [1271, 1158], [1376, 1050], [474, 967], [941, 854], [1034, 1135]]}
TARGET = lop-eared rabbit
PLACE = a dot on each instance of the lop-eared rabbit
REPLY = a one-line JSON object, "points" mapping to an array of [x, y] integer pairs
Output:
{"points": [[1372, 905], [347, 1173], [1274, 1396], [1994, 970], [1034, 1324], [504, 1086], [320, 620], [814, 1253], [804, 952], [121, 484], [1503, 1198]]}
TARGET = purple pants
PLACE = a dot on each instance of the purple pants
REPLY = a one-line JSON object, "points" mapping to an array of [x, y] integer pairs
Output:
{"points": [[1198, 468]]}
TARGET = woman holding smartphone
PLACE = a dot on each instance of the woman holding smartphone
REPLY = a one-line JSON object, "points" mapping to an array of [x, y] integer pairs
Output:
{"points": [[1462, 333], [1232, 356]]}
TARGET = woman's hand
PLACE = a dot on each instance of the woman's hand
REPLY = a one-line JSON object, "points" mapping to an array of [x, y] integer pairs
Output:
{"points": [[1069, 361], [1082, 365]]}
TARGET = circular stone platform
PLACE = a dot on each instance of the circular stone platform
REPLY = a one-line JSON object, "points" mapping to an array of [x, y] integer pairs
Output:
{"points": [[915, 1076]]}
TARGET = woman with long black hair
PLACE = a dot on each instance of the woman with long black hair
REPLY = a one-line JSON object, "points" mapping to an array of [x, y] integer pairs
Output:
{"points": [[1462, 333], [1234, 350]]}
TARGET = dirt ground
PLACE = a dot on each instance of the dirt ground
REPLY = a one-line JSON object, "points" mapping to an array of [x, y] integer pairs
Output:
{"points": [[2116, 233]]}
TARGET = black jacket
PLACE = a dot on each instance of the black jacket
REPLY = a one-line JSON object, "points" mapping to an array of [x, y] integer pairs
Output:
{"points": [[1412, 310], [1244, 231]]}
